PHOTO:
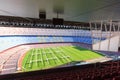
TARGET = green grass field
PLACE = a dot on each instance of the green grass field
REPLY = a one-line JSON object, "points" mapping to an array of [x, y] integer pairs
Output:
{"points": [[43, 58]]}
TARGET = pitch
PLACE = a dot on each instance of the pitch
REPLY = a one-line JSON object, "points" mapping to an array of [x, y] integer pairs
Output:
{"points": [[44, 58]]}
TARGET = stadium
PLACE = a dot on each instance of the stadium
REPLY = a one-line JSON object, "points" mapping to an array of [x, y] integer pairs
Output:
{"points": [[59, 40]]}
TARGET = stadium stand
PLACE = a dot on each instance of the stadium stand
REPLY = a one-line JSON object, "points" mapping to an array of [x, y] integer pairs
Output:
{"points": [[11, 41], [17, 35], [8, 60], [37, 23], [99, 71]]}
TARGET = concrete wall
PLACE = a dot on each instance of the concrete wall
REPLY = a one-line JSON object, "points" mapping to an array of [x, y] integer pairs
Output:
{"points": [[108, 44]]}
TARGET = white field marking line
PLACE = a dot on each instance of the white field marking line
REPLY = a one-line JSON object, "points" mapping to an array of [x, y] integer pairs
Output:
{"points": [[34, 61], [53, 54], [31, 59], [57, 57], [51, 58], [63, 54], [36, 56], [48, 52], [26, 61], [41, 57], [39, 60], [46, 56], [23, 68]]}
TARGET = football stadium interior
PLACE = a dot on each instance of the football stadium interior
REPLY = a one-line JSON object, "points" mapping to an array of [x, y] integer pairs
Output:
{"points": [[59, 39]]}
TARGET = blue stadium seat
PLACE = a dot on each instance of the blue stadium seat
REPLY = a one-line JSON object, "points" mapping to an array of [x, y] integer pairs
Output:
{"points": [[10, 41]]}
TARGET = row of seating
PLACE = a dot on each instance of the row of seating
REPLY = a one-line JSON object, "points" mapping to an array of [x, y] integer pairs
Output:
{"points": [[43, 31], [9, 58], [33, 22], [4, 57], [99, 71], [10, 41]]}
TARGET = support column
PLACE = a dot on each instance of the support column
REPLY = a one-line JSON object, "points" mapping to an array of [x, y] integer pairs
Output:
{"points": [[119, 33], [91, 34], [109, 35], [100, 34]]}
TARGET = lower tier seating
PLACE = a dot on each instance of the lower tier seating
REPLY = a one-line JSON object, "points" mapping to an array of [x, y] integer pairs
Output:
{"points": [[10, 41], [98, 71]]}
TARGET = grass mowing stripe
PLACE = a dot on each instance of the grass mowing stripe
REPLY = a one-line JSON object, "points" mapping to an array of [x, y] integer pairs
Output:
{"points": [[65, 57], [50, 57], [58, 52], [53, 56], [33, 59], [79, 57], [80, 53], [72, 56], [46, 57], [25, 60], [36, 58], [64, 54], [56, 56], [30, 61], [42, 59], [83, 53], [91, 54]]}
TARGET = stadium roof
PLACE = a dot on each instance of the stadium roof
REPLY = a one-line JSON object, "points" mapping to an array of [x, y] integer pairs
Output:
{"points": [[71, 10]]}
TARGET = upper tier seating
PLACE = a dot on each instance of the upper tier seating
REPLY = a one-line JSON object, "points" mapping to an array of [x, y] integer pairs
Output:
{"points": [[35, 22]]}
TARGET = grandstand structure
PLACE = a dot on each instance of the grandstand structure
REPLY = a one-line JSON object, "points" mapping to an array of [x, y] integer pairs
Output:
{"points": [[70, 46], [15, 37], [17, 41], [110, 31]]}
